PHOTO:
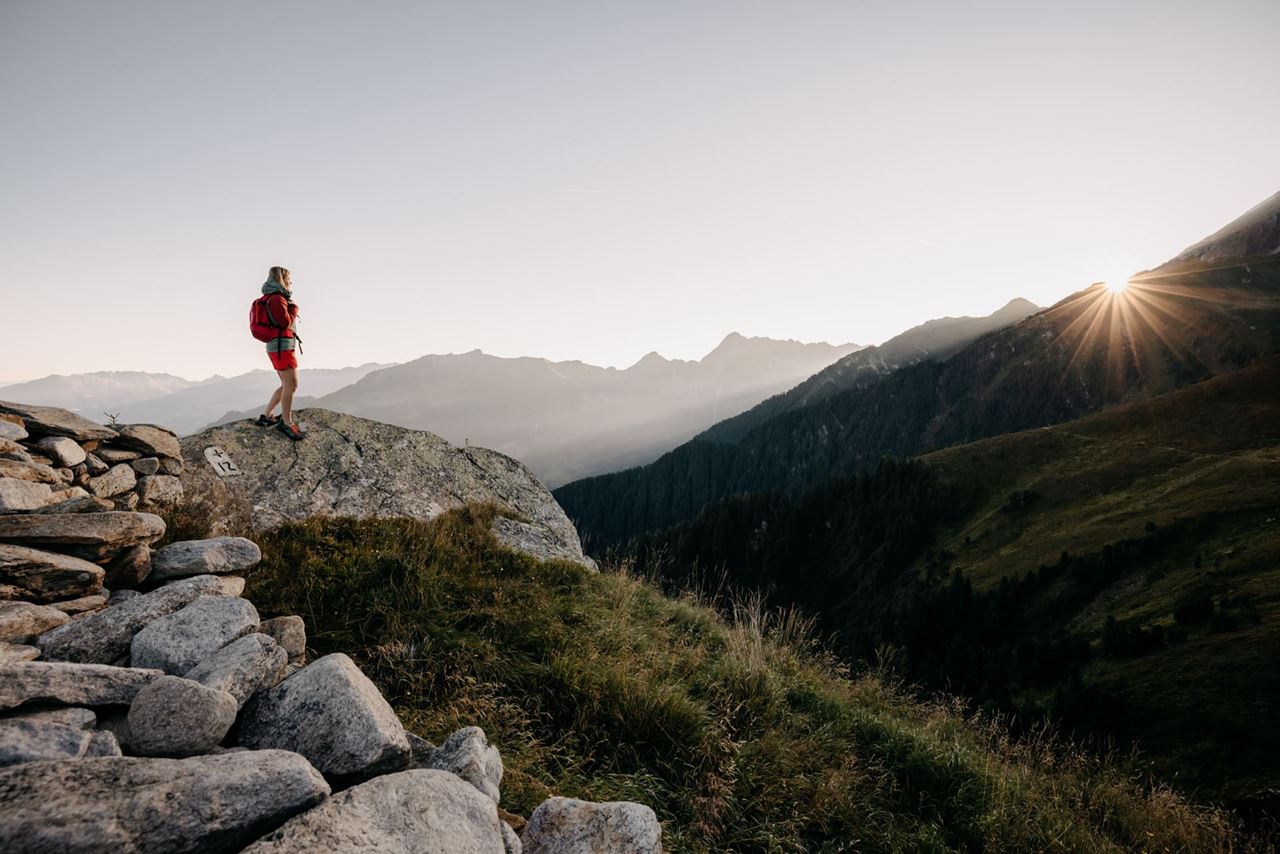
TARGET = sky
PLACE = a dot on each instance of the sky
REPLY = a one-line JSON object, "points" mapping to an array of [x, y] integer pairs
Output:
{"points": [[595, 180]]}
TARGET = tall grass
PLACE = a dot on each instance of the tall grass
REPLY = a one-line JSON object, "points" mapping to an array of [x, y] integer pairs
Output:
{"points": [[740, 731]]}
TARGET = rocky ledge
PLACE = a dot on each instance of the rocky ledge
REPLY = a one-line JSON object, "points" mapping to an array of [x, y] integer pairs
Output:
{"points": [[164, 714], [349, 466]]}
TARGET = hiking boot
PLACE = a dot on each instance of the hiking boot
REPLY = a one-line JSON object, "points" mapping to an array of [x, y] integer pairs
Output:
{"points": [[290, 430], [267, 420]]}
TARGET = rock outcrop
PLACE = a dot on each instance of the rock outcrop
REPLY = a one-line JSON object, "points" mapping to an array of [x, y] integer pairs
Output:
{"points": [[349, 466], [172, 718]]}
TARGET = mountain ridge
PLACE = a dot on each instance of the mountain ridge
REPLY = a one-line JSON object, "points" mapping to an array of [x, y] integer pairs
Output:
{"points": [[1093, 349], [935, 338]]}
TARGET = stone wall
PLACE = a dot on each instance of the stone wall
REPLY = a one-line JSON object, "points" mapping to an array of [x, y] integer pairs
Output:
{"points": [[146, 706]]}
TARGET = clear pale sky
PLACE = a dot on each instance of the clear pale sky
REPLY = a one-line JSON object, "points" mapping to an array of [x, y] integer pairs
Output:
{"points": [[595, 180]]}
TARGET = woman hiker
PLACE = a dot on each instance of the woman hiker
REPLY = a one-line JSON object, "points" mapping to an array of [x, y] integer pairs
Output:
{"points": [[274, 319]]}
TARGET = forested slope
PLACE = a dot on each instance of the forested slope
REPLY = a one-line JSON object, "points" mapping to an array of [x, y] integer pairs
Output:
{"points": [[1092, 350]]}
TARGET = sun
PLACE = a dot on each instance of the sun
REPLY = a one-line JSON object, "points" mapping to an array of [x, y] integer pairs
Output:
{"points": [[1117, 285]]}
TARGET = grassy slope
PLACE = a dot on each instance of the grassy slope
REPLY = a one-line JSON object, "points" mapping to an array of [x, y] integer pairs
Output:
{"points": [[740, 733], [1206, 452]]}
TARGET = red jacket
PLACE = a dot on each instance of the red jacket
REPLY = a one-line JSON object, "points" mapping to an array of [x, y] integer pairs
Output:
{"points": [[282, 313]]}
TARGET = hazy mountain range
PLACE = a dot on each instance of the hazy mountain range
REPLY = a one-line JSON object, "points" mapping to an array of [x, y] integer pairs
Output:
{"points": [[565, 420], [572, 419], [179, 404]]}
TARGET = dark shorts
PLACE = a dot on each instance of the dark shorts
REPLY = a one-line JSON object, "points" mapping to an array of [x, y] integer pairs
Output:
{"points": [[283, 361]]}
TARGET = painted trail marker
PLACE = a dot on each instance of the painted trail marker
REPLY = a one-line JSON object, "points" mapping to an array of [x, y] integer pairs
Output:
{"points": [[221, 461]]}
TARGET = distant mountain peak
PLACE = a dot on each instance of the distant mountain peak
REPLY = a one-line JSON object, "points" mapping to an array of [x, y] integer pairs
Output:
{"points": [[652, 359], [1018, 304]]}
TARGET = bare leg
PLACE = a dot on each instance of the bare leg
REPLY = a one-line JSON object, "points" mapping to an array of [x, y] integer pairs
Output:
{"points": [[288, 385], [275, 401]]}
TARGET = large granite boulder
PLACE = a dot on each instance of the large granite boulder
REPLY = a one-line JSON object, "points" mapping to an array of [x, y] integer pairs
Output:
{"points": [[178, 717], [106, 636], [94, 536], [52, 421], [351, 466], [40, 576], [405, 813], [242, 667], [202, 805], [32, 682], [569, 826], [469, 755], [204, 557], [177, 642], [332, 714]]}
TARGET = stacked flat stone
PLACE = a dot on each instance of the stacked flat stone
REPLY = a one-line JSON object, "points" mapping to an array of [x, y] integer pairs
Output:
{"points": [[167, 715], [54, 461]]}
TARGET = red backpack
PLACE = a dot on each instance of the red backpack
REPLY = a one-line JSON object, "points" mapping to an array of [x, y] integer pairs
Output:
{"points": [[260, 325]]}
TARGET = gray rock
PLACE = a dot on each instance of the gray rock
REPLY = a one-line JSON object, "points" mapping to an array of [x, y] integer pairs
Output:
{"points": [[147, 465], [242, 667], [40, 576], [290, 633], [332, 714], [171, 466], [95, 536], [159, 490], [129, 568], [151, 440], [33, 472], [469, 755], [118, 480], [52, 421], [106, 636], [27, 740], [178, 717], [71, 716], [12, 432], [228, 585], [18, 496], [204, 804], [12, 653], [94, 465], [33, 682], [200, 557], [420, 750], [113, 456], [510, 840], [82, 504], [63, 451], [412, 812], [126, 501], [102, 743], [568, 826], [351, 466], [123, 595], [177, 642], [23, 621]]}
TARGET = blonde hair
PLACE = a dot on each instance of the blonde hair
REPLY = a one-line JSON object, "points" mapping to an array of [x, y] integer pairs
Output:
{"points": [[280, 276]]}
